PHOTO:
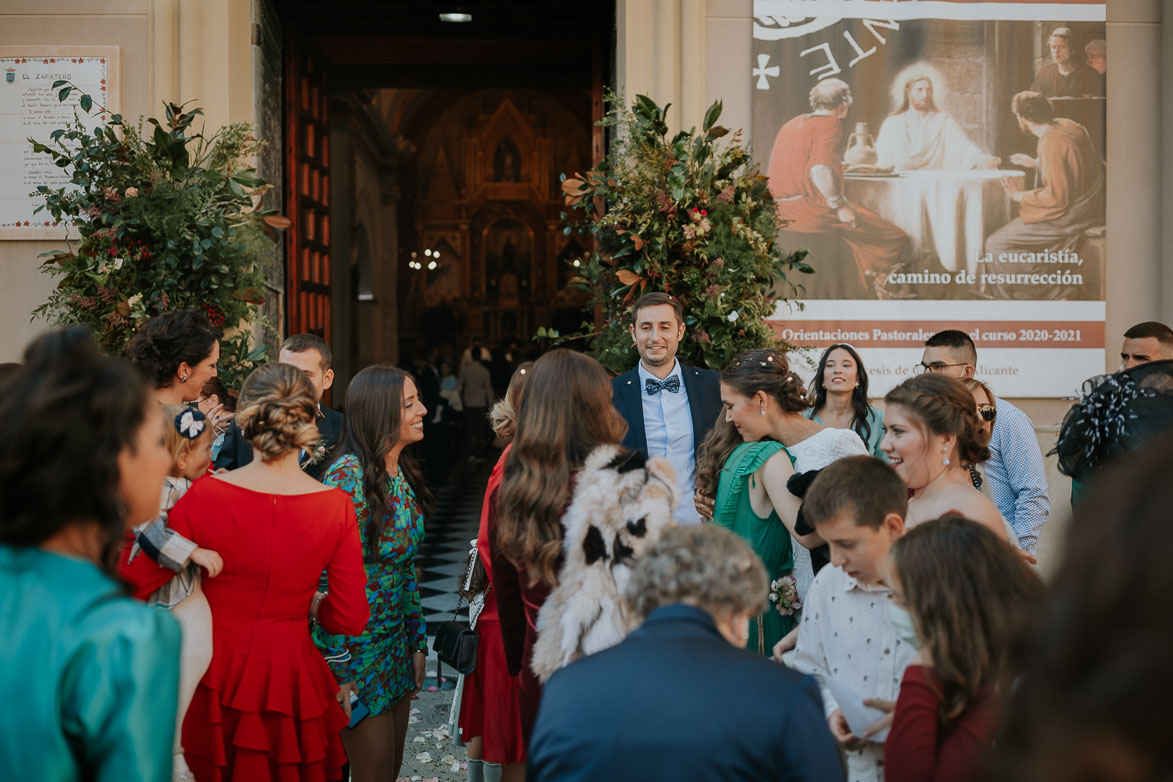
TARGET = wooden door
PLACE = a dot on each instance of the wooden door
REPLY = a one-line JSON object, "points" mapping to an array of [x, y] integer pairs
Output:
{"points": [[307, 184]]}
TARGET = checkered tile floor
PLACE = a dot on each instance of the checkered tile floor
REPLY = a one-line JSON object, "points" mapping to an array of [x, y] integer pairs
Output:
{"points": [[441, 557]]}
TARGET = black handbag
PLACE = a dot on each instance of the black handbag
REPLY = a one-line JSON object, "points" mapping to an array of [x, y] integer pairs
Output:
{"points": [[456, 643], [456, 646]]}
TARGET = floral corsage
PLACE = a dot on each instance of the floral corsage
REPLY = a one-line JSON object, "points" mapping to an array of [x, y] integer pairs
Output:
{"points": [[317, 454], [784, 595]]}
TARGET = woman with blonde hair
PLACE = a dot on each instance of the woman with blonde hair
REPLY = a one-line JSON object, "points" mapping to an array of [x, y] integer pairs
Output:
{"points": [[490, 720], [565, 420], [267, 708]]}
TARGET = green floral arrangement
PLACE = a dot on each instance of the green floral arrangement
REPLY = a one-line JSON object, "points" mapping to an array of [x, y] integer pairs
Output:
{"points": [[691, 216], [166, 219]]}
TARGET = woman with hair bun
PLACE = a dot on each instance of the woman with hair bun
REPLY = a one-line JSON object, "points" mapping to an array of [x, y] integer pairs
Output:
{"points": [[932, 431], [747, 461], [268, 708], [90, 676]]}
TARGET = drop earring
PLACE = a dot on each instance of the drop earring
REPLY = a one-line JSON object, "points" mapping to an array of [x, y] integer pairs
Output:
{"points": [[762, 410], [946, 457]]}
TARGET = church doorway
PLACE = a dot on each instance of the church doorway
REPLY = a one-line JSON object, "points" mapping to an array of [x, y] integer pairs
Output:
{"points": [[422, 171]]}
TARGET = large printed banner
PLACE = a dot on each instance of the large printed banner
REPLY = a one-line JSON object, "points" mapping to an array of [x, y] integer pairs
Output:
{"points": [[944, 163]]}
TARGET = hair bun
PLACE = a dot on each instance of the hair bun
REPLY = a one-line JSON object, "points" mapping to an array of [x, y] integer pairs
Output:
{"points": [[276, 412]]}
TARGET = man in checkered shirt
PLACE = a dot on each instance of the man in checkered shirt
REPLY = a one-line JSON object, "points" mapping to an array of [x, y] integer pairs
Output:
{"points": [[1017, 478]]}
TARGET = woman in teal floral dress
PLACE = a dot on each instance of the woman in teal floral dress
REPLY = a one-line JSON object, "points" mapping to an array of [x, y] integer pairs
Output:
{"points": [[384, 665]]}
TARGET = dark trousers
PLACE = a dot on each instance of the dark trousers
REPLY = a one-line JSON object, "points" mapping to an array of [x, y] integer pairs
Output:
{"points": [[476, 431]]}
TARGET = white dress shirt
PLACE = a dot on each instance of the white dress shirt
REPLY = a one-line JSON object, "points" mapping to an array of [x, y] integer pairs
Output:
{"points": [[668, 428], [846, 635]]}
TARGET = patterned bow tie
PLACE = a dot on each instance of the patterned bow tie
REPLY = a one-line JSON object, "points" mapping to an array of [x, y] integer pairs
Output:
{"points": [[653, 387]]}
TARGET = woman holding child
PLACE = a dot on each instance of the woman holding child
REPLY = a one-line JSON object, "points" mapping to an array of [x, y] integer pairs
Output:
{"points": [[177, 352], [747, 461]]}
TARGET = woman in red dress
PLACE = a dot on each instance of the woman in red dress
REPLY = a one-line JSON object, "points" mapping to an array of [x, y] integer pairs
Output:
{"points": [[490, 720], [566, 414], [969, 598], [267, 709]]}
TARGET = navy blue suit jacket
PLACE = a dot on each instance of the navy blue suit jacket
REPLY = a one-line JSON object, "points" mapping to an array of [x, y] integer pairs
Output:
{"points": [[237, 451], [675, 700], [704, 400]]}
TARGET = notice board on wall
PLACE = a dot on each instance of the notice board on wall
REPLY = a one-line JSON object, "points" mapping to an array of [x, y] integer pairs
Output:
{"points": [[29, 108]]}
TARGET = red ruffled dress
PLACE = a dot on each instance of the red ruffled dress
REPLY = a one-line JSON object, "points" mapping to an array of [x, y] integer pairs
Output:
{"points": [[491, 707], [266, 708]]}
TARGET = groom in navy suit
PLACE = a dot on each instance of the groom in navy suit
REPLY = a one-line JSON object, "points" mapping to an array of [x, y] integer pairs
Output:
{"points": [[669, 407]]}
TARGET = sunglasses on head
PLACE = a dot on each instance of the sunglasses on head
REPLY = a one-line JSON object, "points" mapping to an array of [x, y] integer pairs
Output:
{"points": [[987, 412]]}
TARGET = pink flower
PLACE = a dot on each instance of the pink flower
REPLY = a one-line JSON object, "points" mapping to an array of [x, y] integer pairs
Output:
{"points": [[131, 192], [111, 194]]}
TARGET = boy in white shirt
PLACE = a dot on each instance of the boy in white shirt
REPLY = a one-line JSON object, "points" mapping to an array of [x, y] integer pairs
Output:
{"points": [[857, 505]]}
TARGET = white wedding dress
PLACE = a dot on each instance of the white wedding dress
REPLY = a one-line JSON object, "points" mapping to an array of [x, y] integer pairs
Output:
{"points": [[815, 453]]}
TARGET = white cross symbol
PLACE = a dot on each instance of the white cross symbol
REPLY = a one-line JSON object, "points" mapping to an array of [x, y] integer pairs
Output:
{"points": [[762, 71]]}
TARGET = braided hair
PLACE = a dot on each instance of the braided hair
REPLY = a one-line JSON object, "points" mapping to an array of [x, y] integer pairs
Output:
{"points": [[277, 412], [945, 407]]}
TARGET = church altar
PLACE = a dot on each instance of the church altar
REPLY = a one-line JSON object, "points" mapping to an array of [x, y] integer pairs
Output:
{"points": [[948, 212]]}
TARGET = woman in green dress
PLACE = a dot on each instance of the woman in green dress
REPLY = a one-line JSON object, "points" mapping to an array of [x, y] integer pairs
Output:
{"points": [[745, 469], [90, 681]]}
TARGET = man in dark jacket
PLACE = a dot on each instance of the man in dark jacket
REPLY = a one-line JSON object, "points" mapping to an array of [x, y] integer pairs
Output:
{"points": [[669, 407], [679, 698], [310, 354]]}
